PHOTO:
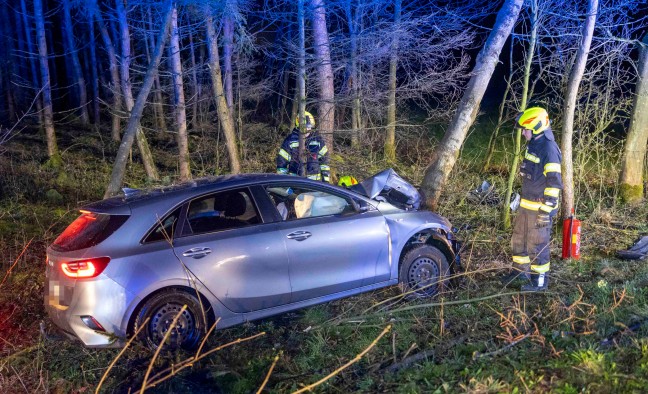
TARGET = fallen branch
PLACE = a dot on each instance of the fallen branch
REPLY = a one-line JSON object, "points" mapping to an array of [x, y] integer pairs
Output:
{"points": [[345, 366], [265, 381], [478, 355]]}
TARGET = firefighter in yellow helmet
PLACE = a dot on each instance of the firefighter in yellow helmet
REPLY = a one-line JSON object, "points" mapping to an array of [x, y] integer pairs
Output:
{"points": [[347, 181], [317, 157], [541, 186]]}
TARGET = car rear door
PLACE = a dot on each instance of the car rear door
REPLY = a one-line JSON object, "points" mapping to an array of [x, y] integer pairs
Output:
{"points": [[331, 246], [237, 254]]}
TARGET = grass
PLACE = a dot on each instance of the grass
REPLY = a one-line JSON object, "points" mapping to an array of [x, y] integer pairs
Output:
{"points": [[572, 339]]}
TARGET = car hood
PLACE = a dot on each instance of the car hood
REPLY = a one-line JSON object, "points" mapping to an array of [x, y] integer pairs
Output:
{"points": [[390, 187]]}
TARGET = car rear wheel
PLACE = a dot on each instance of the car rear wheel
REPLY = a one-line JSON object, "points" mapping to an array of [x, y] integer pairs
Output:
{"points": [[423, 272], [161, 309]]}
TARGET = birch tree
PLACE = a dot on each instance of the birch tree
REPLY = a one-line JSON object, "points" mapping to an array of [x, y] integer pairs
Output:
{"points": [[446, 153], [634, 154], [48, 113], [571, 94], [179, 99], [119, 167]]}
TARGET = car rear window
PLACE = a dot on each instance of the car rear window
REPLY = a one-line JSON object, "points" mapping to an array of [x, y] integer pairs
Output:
{"points": [[88, 230]]}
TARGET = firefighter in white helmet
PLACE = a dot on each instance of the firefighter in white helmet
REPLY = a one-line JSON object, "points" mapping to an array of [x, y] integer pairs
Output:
{"points": [[541, 186]]}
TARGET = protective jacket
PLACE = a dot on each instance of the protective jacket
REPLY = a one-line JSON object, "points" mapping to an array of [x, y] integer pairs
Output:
{"points": [[540, 172], [317, 158]]}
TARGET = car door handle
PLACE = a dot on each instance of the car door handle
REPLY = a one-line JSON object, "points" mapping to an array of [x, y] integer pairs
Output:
{"points": [[197, 253], [299, 235]]}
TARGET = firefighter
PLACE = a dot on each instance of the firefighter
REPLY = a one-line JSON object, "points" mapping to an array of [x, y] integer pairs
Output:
{"points": [[541, 185], [347, 181], [317, 158]]}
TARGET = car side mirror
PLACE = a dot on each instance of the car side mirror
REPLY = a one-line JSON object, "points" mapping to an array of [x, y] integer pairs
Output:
{"points": [[360, 206]]}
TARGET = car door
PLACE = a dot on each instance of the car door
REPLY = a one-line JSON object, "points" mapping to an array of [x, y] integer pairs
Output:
{"points": [[331, 245], [240, 257]]}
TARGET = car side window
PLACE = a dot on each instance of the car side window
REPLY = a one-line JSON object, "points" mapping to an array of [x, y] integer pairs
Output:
{"points": [[222, 211], [165, 229], [298, 202]]}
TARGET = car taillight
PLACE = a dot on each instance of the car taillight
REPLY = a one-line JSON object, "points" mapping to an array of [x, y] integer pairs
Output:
{"points": [[83, 269]]}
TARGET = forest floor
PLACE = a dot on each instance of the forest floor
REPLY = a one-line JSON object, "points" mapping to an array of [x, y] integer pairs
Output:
{"points": [[478, 337]]}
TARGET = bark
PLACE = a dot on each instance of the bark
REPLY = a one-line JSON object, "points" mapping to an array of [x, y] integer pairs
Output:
{"points": [[194, 83], [571, 96], [224, 115], [124, 68], [446, 153], [517, 150], [390, 138], [228, 46], [326, 105], [114, 72], [48, 115], [179, 99], [301, 83], [119, 168], [632, 166], [32, 62], [77, 72], [353, 22]]}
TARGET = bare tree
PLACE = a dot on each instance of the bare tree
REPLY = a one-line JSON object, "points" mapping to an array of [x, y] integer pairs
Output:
{"points": [[571, 95], [48, 113], [446, 153], [634, 154], [77, 72], [224, 114], [119, 167], [179, 99], [390, 138]]}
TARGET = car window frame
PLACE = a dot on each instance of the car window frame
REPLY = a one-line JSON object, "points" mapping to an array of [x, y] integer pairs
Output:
{"points": [[315, 187], [188, 202], [179, 229]]}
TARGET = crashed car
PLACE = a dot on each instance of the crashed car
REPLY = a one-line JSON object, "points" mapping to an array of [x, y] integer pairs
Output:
{"points": [[237, 248]]}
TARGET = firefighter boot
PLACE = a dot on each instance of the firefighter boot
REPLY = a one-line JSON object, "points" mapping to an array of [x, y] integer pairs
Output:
{"points": [[538, 282], [519, 274]]}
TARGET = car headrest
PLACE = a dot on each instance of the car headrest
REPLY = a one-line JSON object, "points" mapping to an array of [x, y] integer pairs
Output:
{"points": [[235, 205]]}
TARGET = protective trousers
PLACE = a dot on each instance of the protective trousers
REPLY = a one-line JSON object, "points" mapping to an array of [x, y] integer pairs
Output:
{"points": [[530, 242]]}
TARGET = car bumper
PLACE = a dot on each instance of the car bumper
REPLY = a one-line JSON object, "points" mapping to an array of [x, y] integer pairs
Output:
{"points": [[103, 299]]}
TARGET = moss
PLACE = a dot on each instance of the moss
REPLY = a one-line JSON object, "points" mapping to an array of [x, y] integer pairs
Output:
{"points": [[631, 194]]}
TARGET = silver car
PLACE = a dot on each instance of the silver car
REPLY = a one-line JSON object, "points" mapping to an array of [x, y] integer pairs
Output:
{"points": [[236, 248]]}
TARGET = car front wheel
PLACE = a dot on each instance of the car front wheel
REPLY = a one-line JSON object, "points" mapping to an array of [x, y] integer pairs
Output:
{"points": [[160, 310], [423, 271]]}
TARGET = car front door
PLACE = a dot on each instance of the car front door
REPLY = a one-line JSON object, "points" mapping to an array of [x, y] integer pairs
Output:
{"points": [[239, 257], [332, 247]]}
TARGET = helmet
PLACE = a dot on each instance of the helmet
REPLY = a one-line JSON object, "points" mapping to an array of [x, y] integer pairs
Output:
{"points": [[310, 121], [535, 119], [347, 181]]}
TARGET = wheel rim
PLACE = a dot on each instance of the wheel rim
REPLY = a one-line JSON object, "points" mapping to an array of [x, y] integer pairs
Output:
{"points": [[423, 275], [161, 319]]}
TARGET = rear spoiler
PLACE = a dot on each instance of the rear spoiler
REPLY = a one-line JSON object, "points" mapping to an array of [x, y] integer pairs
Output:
{"points": [[109, 206]]}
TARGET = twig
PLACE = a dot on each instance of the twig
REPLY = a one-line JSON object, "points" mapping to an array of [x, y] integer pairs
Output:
{"points": [[159, 348], [407, 361], [15, 262], [478, 355], [114, 361], [265, 381], [351, 362]]}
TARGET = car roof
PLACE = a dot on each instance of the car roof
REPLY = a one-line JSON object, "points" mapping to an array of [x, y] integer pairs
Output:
{"points": [[121, 205]]}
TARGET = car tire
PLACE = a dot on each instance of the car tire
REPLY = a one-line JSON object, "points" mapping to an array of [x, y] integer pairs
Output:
{"points": [[423, 272], [161, 309]]}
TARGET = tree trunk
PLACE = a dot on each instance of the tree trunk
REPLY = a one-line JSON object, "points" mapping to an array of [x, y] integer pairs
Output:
{"points": [[224, 115], [32, 62], [505, 215], [179, 99], [301, 83], [95, 77], [353, 22], [114, 72], [326, 105], [142, 144], [445, 154], [390, 138], [119, 168], [48, 114], [228, 50], [571, 95], [632, 169], [158, 106], [77, 72], [194, 82]]}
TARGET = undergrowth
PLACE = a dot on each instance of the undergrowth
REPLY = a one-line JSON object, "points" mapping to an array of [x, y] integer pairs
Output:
{"points": [[585, 334]]}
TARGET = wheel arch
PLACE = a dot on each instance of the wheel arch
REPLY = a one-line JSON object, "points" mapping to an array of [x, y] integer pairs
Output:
{"points": [[433, 236]]}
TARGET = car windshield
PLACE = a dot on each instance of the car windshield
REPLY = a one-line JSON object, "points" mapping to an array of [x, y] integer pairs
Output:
{"points": [[88, 230]]}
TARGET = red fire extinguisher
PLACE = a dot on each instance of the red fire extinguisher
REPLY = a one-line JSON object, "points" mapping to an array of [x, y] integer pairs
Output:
{"points": [[571, 238]]}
